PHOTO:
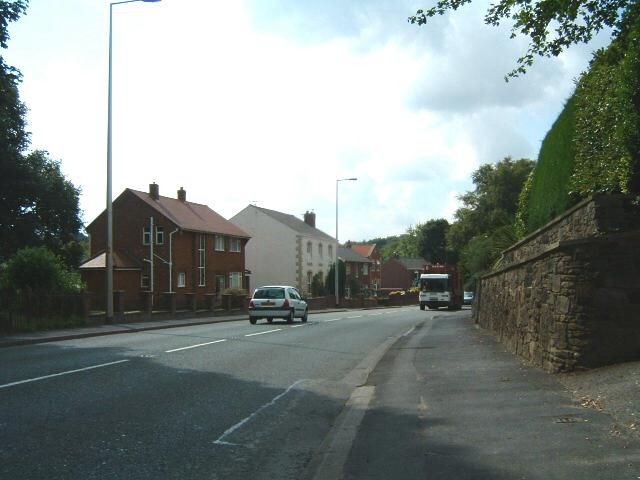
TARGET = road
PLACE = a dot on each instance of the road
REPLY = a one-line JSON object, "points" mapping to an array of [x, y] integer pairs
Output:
{"points": [[392, 393]]}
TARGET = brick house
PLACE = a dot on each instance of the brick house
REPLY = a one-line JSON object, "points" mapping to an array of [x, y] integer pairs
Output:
{"points": [[164, 244], [285, 250], [371, 252], [401, 273], [358, 271]]}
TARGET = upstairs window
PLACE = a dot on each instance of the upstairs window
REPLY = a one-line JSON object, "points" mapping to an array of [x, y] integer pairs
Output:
{"points": [[159, 235], [320, 253], [146, 235], [309, 248], [219, 246], [234, 244], [330, 251]]}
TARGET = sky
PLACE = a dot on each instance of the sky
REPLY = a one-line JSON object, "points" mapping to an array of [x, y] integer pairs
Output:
{"points": [[269, 102]]}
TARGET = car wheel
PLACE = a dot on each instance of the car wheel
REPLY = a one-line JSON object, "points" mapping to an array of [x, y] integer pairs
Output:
{"points": [[253, 320], [421, 306], [270, 320], [305, 316], [291, 316]]}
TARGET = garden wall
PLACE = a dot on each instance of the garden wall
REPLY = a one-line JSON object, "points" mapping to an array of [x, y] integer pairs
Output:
{"points": [[567, 297]]}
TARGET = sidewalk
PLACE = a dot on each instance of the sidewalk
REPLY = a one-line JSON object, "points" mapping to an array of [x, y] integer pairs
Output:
{"points": [[451, 403], [27, 338]]}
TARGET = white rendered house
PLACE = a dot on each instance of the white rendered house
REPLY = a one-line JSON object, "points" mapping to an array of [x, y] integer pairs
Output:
{"points": [[284, 250]]}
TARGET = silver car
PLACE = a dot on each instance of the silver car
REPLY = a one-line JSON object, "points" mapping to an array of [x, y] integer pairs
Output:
{"points": [[277, 301]]}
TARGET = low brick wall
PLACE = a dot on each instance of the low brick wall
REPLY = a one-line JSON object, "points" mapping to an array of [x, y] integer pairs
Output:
{"points": [[568, 295]]}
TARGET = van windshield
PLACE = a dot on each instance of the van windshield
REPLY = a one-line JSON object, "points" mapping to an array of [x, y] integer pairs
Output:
{"points": [[434, 284]]}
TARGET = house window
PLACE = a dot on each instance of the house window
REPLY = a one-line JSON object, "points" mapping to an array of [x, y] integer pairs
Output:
{"points": [[159, 235], [235, 279], [220, 282], [365, 269], [182, 280], [201, 261], [330, 250], [309, 248], [219, 247], [309, 281], [146, 235], [144, 281], [320, 250], [234, 245]]}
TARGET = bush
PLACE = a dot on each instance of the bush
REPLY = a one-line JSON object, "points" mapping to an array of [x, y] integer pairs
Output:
{"points": [[38, 269], [238, 292]]}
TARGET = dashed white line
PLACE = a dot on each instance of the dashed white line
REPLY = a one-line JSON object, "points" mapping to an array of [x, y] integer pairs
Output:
{"points": [[374, 314], [297, 326], [408, 332], [357, 316], [229, 431], [333, 320], [13, 384], [262, 333], [195, 346]]}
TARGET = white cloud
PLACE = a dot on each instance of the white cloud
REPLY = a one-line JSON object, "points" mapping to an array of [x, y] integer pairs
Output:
{"points": [[271, 101]]}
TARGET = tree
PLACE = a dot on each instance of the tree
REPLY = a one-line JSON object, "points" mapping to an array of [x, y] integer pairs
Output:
{"points": [[38, 206], [432, 241], [492, 204], [44, 210], [342, 277], [552, 26], [485, 225]]}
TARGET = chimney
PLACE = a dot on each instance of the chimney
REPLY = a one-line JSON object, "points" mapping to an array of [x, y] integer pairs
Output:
{"points": [[182, 195], [310, 219], [154, 191]]}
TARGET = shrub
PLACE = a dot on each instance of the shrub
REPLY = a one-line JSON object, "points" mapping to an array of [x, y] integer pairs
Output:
{"points": [[38, 269]]}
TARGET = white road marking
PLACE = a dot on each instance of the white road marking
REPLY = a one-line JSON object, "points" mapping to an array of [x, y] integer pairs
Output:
{"points": [[408, 332], [357, 316], [333, 320], [232, 429], [13, 384], [375, 314], [262, 333], [195, 346], [297, 326]]}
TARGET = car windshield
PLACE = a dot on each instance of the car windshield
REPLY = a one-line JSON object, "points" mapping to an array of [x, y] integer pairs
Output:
{"points": [[269, 293]]}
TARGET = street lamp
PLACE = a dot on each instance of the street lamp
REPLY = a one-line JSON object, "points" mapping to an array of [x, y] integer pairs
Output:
{"points": [[109, 249], [335, 270]]}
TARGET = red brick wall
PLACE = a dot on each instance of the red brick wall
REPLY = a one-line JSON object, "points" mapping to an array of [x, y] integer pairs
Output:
{"points": [[395, 275]]}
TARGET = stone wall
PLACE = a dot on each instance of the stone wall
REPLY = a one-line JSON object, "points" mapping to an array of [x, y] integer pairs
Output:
{"points": [[568, 296]]}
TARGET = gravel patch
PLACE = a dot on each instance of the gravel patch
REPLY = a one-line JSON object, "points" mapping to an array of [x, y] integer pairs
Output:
{"points": [[614, 390]]}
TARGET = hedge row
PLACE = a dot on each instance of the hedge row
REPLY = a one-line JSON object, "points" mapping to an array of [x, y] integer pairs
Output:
{"points": [[594, 145]]}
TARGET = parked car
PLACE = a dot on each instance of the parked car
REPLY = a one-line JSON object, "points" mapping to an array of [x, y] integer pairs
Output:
{"points": [[278, 301], [468, 298]]}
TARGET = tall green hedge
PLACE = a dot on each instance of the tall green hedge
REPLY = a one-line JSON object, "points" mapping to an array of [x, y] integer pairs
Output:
{"points": [[594, 145]]}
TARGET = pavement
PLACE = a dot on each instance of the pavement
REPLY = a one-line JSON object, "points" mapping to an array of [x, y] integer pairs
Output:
{"points": [[28, 338], [613, 390]]}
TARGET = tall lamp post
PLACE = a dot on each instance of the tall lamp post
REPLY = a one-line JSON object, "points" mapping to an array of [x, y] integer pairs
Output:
{"points": [[109, 249], [337, 264]]}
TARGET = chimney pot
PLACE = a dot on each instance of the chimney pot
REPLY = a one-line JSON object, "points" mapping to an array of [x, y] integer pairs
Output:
{"points": [[182, 195], [154, 191]]}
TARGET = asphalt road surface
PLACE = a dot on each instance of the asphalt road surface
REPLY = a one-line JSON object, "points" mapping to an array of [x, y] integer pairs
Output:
{"points": [[393, 393]]}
